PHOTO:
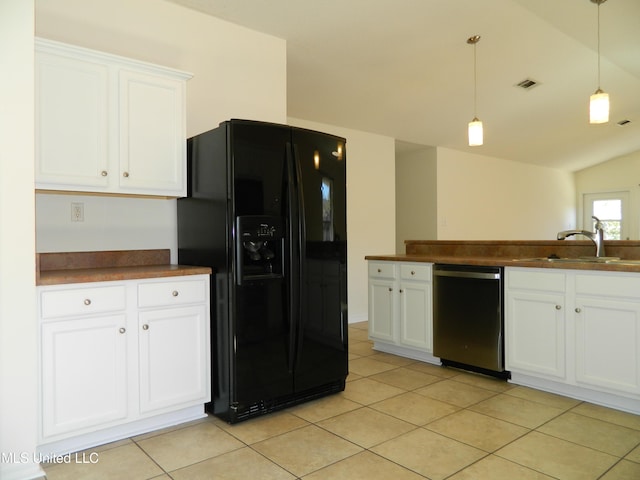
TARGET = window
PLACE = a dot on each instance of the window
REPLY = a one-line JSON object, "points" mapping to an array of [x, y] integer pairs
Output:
{"points": [[610, 208]]}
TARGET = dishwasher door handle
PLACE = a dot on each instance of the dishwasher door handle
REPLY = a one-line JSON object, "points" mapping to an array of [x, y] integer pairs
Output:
{"points": [[462, 274]]}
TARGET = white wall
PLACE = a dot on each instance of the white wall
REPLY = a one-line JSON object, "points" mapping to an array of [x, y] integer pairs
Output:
{"points": [[486, 198], [110, 223], [416, 195], [615, 175], [370, 205], [238, 73], [18, 344]]}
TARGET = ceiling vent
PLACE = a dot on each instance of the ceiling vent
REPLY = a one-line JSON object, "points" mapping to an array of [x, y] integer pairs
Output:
{"points": [[527, 84], [622, 123]]}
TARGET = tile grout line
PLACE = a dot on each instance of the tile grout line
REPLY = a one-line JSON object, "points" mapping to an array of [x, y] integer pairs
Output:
{"points": [[151, 458]]}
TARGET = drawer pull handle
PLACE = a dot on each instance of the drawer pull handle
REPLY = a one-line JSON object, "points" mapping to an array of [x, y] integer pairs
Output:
{"points": [[125, 174], [379, 270], [87, 301], [175, 293], [390, 289], [558, 307], [103, 173], [412, 272], [145, 327], [578, 310], [122, 330]]}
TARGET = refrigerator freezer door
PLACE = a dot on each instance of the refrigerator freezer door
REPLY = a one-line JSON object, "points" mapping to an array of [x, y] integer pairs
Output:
{"points": [[260, 330]]}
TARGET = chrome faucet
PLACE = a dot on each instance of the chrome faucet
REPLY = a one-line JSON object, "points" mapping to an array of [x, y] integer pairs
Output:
{"points": [[596, 237]]}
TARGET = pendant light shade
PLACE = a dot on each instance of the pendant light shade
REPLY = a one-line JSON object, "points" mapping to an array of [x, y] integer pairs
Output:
{"points": [[476, 134], [599, 107], [599, 101]]}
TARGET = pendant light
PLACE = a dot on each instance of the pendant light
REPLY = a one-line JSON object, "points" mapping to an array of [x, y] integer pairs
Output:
{"points": [[475, 125], [599, 101]]}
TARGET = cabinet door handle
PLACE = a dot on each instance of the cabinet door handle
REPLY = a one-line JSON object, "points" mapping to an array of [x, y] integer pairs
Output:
{"points": [[87, 301], [379, 270], [104, 173], [558, 307], [175, 293], [122, 330], [400, 290], [125, 174], [145, 327], [578, 310], [390, 289], [412, 272]]}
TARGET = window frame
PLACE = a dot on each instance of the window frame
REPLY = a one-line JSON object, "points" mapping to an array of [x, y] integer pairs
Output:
{"points": [[588, 198]]}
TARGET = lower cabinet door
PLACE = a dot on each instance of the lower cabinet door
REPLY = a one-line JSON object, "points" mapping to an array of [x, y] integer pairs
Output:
{"points": [[535, 334], [382, 308], [415, 315], [608, 344], [173, 358], [84, 372]]}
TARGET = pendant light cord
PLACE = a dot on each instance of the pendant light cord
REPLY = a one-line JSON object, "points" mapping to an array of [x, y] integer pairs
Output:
{"points": [[475, 81], [599, 45]]}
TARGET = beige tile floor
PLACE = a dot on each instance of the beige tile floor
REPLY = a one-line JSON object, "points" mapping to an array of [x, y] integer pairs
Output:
{"points": [[397, 419]]}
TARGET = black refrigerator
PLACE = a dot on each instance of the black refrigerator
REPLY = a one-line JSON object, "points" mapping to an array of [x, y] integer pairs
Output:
{"points": [[266, 209]]}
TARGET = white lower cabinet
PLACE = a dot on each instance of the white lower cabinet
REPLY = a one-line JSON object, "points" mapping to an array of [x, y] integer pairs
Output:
{"points": [[575, 332], [383, 299], [607, 332], [535, 326], [173, 357], [119, 358], [400, 308], [84, 373]]}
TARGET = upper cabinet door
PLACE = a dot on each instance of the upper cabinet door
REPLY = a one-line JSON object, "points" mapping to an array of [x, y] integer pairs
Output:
{"points": [[152, 134], [108, 124], [72, 116]]}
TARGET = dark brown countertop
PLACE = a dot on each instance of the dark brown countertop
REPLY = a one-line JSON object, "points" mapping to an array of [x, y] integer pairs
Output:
{"points": [[508, 262], [82, 267], [517, 253]]}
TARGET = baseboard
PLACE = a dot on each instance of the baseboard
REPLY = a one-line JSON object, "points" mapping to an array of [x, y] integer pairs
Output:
{"points": [[112, 434]]}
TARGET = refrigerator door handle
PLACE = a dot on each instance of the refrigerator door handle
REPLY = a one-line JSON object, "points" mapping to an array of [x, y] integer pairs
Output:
{"points": [[293, 267], [302, 251]]}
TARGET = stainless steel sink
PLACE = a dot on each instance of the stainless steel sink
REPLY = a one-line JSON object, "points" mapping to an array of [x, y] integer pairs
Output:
{"points": [[611, 260], [622, 261], [576, 260]]}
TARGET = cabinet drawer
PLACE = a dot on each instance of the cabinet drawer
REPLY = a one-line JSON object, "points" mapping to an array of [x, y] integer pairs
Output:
{"points": [[531, 279], [411, 271], [597, 284], [382, 270], [174, 292], [82, 301]]}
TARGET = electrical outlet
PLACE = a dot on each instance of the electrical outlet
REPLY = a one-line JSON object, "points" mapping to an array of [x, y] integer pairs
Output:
{"points": [[77, 212]]}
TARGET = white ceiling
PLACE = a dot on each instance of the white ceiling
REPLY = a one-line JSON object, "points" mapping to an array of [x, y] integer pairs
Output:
{"points": [[402, 68]]}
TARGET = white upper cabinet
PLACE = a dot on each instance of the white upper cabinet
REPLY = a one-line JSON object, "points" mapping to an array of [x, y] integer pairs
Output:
{"points": [[107, 124], [72, 115]]}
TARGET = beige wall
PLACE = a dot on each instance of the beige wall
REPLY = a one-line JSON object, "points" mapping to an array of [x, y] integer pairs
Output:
{"points": [[416, 194], [370, 205], [618, 174], [486, 198], [18, 340]]}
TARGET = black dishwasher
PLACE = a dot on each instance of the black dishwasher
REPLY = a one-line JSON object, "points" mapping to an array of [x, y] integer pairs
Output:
{"points": [[468, 320]]}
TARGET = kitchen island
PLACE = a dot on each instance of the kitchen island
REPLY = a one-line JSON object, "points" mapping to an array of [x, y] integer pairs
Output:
{"points": [[572, 326], [124, 346]]}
